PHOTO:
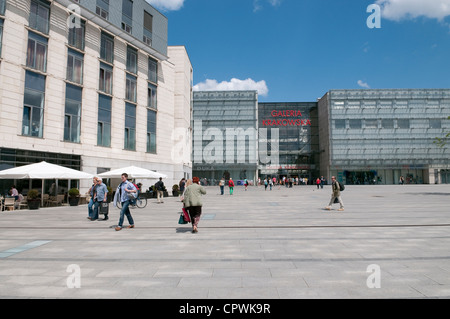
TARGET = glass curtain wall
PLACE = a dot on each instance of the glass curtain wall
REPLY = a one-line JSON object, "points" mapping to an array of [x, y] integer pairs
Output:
{"points": [[225, 135], [379, 135]]}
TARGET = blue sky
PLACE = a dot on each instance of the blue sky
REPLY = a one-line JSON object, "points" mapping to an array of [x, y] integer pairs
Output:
{"points": [[297, 50]]}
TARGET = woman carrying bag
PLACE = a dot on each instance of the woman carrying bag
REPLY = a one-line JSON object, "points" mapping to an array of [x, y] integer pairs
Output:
{"points": [[193, 202]]}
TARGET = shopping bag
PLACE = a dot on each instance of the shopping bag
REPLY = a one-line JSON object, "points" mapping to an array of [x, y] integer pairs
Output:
{"points": [[181, 220], [104, 208], [187, 218]]}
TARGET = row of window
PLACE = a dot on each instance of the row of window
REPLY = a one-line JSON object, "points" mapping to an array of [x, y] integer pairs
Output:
{"points": [[1, 36], [102, 9], [384, 123], [2, 12], [419, 103], [34, 95]]}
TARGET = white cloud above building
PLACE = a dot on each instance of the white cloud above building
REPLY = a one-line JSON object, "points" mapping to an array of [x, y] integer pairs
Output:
{"points": [[406, 9], [170, 5], [363, 84], [233, 85]]}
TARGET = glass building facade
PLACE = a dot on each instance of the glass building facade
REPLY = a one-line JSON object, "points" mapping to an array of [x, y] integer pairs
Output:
{"points": [[359, 136], [225, 135], [377, 136], [288, 140]]}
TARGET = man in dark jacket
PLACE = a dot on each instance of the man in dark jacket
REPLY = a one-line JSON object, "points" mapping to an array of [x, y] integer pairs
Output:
{"points": [[160, 190], [335, 193]]}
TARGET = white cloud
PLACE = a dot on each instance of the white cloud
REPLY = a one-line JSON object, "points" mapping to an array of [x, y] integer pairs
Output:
{"points": [[167, 4], [363, 84], [233, 85], [404, 9], [258, 6]]}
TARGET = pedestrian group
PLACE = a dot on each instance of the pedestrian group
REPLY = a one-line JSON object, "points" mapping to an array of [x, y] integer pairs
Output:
{"points": [[191, 197]]}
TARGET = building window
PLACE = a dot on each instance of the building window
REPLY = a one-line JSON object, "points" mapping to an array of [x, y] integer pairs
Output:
{"points": [[107, 48], [1, 36], [102, 9], [76, 36], [152, 70], [33, 110], [130, 127], [151, 98], [403, 123], [131, 88], [127, 15], [39, 15], [72, 118], [339, 124], [148, 28], [75, 67], [37, 52], [371, 123], [104, 121], [151, 131], [355, 124], [435, 123], [387, 123], [106, 74], [2, 7], [132, 58]]}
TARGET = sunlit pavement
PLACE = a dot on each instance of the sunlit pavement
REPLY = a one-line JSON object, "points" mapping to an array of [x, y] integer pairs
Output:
{"points": [[389, 242]]}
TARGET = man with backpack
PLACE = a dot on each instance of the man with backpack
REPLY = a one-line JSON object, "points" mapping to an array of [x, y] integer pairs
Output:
{"points": [[336, 188]]}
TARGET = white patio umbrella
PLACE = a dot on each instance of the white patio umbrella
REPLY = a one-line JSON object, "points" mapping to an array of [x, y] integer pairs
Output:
{"points": [[43, 170], [133, 172]]}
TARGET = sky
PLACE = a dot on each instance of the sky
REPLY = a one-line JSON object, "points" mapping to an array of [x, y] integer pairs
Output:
{"points": [[297, 50]]}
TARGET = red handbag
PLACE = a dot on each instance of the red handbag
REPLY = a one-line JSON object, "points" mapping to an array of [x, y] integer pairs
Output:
{"points": [[186, 216]]}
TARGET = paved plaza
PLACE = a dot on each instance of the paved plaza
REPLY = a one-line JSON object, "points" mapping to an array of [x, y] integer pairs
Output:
{"points": [[390, 242]]}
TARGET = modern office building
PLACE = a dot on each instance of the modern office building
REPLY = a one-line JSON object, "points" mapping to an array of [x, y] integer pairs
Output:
{"points": [[288, 140], [92, 85], [359, 136], [225, 135], [380, 135]]}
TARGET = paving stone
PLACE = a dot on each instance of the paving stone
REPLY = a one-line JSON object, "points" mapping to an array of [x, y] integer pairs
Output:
{"points": [[278, 244]]}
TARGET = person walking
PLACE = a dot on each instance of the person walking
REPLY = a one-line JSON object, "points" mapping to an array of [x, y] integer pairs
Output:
{"points": [[160, 190], [231, 186], [100, 196], [193, 202], [123, 194], [182, 185], [91, 201], [335, 193], [222, 185]]}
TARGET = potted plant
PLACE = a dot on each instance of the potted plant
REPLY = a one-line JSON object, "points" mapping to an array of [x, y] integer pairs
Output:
{"points": [[74, 196], [175, 190], [33, 199], [153, 193]]}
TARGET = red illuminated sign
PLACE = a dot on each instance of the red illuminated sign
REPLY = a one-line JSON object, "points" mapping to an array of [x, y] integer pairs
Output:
{"points": [[286, 118]]}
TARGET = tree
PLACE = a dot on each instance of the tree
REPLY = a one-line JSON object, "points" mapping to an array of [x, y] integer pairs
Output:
{"points": [[442, 142]]}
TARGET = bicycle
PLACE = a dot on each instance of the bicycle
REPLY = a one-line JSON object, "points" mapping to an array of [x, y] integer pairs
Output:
{"points": [[139, 203]]}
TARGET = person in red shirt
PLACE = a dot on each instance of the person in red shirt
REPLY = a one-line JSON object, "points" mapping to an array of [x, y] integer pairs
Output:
{"points": [[231, 185]]}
